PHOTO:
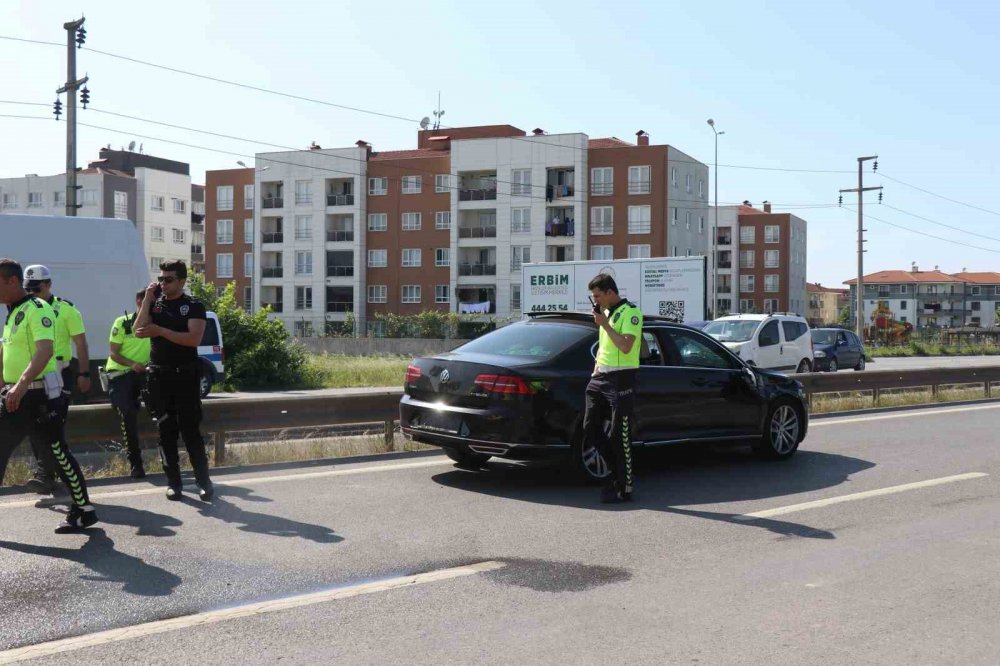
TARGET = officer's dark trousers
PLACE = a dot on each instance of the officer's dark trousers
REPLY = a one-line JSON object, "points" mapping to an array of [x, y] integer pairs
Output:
{"points": [[45, 464], [175, 402], [42, 420], [608, 423], [125, 391]]}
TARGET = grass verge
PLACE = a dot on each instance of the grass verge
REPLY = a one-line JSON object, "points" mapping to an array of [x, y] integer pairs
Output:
{"points": [[338, 371], [930, 349], [855, 400]]}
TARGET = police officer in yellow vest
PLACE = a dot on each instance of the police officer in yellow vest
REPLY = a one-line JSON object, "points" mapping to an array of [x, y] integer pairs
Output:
{"points": [[611, 391], [126, 373], [32, 399], [69, 331]]}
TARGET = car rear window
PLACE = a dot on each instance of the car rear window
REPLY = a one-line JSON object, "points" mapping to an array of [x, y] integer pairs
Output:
{"points": [[532, 340], [211, 336], [793, 330]]}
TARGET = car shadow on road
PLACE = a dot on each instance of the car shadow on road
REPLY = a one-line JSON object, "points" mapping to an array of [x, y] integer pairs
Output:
{"points": [[220, 508], [675, 482], [109, 565]]}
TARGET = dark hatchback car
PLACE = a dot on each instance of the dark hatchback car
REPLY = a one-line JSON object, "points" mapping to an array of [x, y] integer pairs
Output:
{"points": [[835, 348], [518, 393]]}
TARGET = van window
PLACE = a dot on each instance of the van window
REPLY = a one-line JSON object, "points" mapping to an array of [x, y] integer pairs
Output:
{"points": [[793, 330], [211, 336], [769, 335]]}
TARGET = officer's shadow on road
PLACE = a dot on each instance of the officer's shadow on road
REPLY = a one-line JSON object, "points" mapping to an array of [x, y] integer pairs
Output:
{"points": [[108, 565], [259, 523], [675, 482]]}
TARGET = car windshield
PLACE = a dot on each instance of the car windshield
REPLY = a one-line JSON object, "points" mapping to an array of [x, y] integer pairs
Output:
{"points": [[732, 330], [824, 337], [533, 340]]}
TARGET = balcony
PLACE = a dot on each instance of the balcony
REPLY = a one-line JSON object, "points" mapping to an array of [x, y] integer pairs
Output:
{"points": [[272, 237], [339, 264], [477, 232], [339, 236], [339, 199], [560, 222], [559, 183], [272, 202], [340, 306], [340, 271], [725, 263], [340, 228], [275, 307], [477, 186], [272, 271], [479, 194], [725, 288], [476, 300], [723, 240], [466, 269]]}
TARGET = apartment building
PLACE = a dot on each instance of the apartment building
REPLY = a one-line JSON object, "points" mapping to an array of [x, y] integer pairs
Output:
{"points": [[230, 231], [104, 192], [449, 224], [922, 298], [825, 304], [163, 195], [198, 229], [982, 298], [761, 262]]}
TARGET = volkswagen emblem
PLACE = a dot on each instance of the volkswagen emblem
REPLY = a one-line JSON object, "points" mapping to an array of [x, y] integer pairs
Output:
{"points": [[445, 376]]}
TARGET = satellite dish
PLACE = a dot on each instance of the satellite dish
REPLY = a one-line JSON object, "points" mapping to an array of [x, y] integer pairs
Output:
{"points": [[131, 146], [424, 122]]}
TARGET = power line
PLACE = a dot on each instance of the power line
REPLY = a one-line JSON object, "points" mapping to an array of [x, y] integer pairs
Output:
{"points": [[939, 196], [921, 233], [942, 224]]}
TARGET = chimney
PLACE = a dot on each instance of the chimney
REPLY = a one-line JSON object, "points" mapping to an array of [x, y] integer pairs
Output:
{"points": [[315, 146], [936, 267], [642, 138], [361, 143], [914, 268], [538, 131], [767, 206]]}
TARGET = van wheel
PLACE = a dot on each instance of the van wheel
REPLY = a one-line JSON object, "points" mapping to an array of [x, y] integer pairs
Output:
{"points": [[804, 366]]}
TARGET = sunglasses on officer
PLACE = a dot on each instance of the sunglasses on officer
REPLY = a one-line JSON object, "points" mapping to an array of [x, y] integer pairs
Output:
{"points": [[166, 279]]}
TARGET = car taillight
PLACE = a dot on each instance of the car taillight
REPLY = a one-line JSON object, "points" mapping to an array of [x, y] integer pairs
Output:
{"points": [[413, 374], [505, 384]]}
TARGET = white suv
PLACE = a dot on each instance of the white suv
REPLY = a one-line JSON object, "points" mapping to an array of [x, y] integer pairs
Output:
{"points": [[772, 342]]}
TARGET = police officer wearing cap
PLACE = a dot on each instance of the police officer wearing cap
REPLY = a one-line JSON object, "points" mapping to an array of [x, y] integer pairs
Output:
{"points": [[69, 332], [126, 373], [611, 391], [31, 400], [175, 323]]}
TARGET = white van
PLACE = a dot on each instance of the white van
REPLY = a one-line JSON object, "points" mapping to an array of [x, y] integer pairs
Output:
{"points": [[211, 355], [772, 342]]}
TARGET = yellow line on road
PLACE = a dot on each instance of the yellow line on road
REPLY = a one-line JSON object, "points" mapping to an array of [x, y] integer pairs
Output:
{"points": [[260, 608], [892, 490]]}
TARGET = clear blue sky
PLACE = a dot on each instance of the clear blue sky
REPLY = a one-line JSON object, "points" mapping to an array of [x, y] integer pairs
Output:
{"points": [[915, 82]]}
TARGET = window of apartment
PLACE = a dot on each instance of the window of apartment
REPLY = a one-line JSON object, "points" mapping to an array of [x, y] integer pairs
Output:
{"points": [[59, 198], [411, 184], [303, 329], [303, 227], [687, 252], [442, 220], [303, 192], [520, 182], [687, 220], [303, 262], [602, 180], [770, 306], [602, 221], [687, 181], [154, 262], [747, 283], [303, 298], [701, 188], [903, 288], [411, 293], [378, 259], [638, 251], [441, 294], [179, 236], [442, 183], [602, 252], [248, 231], [248, 264], [248, 299], [377, 293], [674, 253], [223, 198], [976, 291], [519, 254], [748, 235], [771, 283], [515, 297], [156, 202], [772, 233], [87, 198], [673, 216], [639, 219], [638, 180], [746, 259], [932, 289], [442, 257], [411, 258], [180, 206], [248, 197], [771, 258], [224, 265], [156, 234], [996, 291], [411, 221], [378, 187], [975, 305], [902, 305], [378, 222], [9, 200], [701, 224], [673, 176], [520, 220], [883, 290], [746, 305]]}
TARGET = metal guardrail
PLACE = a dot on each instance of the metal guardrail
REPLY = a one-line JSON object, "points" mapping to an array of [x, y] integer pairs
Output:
{"points": [[879, 380]]}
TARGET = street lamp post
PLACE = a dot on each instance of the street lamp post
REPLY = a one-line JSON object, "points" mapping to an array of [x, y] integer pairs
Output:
{"points": [[715, 227]]}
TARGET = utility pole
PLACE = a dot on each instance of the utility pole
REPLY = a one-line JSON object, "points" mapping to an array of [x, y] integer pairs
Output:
{"points": [[715, 230], [860, 296], [75, 36]]}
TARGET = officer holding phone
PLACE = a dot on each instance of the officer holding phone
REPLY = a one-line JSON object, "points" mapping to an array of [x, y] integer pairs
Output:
{"points": [[126, 377]]}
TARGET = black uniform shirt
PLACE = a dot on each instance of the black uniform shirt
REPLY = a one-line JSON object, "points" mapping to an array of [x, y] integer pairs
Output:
{"points": [[174, 315]]}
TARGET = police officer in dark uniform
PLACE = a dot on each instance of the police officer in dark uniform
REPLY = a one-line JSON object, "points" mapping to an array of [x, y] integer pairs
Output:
{"points": [[175, 323], [31, 398]]}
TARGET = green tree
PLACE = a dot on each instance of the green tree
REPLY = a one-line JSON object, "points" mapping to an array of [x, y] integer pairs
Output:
{"points": [[259, 353], [844, 318]]}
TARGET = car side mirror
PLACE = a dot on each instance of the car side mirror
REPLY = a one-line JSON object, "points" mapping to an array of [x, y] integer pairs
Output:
{"points": [[750, 375]]}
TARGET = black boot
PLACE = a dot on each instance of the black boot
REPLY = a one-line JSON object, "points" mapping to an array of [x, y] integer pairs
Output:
{"points": [[78, 519]]}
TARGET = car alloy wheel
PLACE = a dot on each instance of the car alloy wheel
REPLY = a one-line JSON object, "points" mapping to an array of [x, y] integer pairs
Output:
{"points": [[833, 365], [784, 430], [861, 364], [593, 462]]}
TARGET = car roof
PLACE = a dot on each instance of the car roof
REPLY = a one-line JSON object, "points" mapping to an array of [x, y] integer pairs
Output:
{"points": [[588, 318], [761, 317]]}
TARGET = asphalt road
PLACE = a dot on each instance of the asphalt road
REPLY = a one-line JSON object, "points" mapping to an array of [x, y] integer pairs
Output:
{"points": [[685, 575]]}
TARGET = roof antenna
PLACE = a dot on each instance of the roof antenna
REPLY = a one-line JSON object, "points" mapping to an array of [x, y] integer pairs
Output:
{"points": [[438, 113]]}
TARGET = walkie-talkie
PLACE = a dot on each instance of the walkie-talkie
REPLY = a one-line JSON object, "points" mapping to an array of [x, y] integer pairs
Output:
{"points": [[596, 307], [127, 324]]}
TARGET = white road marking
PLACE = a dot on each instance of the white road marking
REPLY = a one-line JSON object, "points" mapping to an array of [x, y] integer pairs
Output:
{"points": [[901, 415], [891, 490], [222, 615], [146, 490]]}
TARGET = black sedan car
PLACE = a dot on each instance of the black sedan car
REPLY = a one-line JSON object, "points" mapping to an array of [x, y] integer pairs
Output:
{"points": [[518, 393]]}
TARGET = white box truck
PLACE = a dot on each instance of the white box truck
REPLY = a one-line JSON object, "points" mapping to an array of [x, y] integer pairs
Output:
{"points": [[670, 287]]}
